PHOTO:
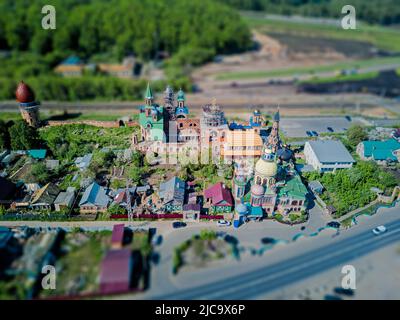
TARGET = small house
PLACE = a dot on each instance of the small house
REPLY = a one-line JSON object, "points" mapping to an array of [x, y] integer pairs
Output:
{"points": [[172, 194], [94, 199], [121, 197], [83, 162], [316, 187], [38, 154], [219, 198], [43, 199], [7, 190], [191, 212], [65, 200]]}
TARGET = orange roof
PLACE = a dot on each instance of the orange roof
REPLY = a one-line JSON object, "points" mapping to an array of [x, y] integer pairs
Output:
{"points": [[243, 138], [68, 68], [114, 67], [242, 143]]}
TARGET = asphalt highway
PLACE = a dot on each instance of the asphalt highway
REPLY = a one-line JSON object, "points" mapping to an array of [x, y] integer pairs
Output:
{"points": [[258, 282]]}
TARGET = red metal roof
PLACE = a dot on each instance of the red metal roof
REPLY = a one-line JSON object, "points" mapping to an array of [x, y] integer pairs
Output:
{"points": [[219, 193], [116, 269], [118, 234]]}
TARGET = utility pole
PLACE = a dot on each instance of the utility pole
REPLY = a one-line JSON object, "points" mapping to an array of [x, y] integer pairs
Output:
{"points": [[128, 201]]}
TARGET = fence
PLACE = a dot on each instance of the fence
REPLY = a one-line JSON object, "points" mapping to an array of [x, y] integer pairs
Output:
{"points": [[165, 216], [148, 216]]}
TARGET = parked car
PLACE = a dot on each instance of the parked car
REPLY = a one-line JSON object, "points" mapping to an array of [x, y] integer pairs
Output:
{"points": [[314, 133], [379, 230], [156, 240], [330, 129], [223, 223], [178, 224], [309, 133], [332, 297], [333, 224], [267, 240], [348, 118], [345, 292]]}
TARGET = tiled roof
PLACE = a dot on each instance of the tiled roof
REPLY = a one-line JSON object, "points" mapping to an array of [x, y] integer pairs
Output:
{"points": [[219, 194]]}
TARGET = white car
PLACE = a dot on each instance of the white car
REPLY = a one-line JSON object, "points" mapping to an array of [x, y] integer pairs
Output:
{"points": [[379, 230], [223, 223]]}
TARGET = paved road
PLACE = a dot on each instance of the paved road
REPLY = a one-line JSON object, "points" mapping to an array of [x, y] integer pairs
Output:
{"points": [[166, 286], [267, 278]]}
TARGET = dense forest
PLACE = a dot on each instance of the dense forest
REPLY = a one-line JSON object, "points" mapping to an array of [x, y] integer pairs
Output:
{"points": [[189, 32], [373, 11]]}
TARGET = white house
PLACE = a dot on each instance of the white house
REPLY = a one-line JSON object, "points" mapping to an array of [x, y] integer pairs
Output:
{"points": [[327, 155]]}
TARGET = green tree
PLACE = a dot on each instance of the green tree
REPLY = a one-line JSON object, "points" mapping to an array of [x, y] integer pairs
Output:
{"points": [[116, 209], [356, 134], [38, 174], [23, 137], [4, 136]]}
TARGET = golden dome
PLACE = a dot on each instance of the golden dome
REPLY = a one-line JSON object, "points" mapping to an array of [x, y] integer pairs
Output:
{"points": [[266, 168]]}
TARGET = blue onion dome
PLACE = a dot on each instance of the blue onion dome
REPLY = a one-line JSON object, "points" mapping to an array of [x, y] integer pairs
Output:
{"points": [[241, 208], [182, 111]]}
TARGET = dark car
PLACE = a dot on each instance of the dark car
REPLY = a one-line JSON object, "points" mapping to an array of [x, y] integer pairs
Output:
{"points": [[330, 129], [333, 224], [332, 297], [267, 240], [309, 133], [345, 292], [314, 133], [348, 118], [178, 224]]}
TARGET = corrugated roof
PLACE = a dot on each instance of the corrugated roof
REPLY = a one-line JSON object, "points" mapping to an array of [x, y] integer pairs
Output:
{"points": [[37, 153], [219, 194], [330, 151], [118, 233], [115, 274], [293, 187], [381, 150], [95, 195], [64, 197], [47, 194], [173, 190]]}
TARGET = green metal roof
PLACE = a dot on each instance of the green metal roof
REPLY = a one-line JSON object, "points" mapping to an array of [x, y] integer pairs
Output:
{"points": [[293, 187], [149, 92], [37, 154], [381, 150]]}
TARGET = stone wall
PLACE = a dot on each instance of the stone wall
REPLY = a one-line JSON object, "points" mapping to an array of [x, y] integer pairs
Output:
{"points": [[95, 123]]}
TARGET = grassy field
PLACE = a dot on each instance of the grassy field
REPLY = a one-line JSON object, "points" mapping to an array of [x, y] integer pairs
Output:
{"points": [[45, 116], [308, 70], [381, 37], [352, 77]]}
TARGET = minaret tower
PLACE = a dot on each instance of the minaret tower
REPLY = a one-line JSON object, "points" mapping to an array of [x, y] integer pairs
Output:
{"points": [[149, 98], [273, 139], [181, 99], [27, 105], [169, 102]]}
